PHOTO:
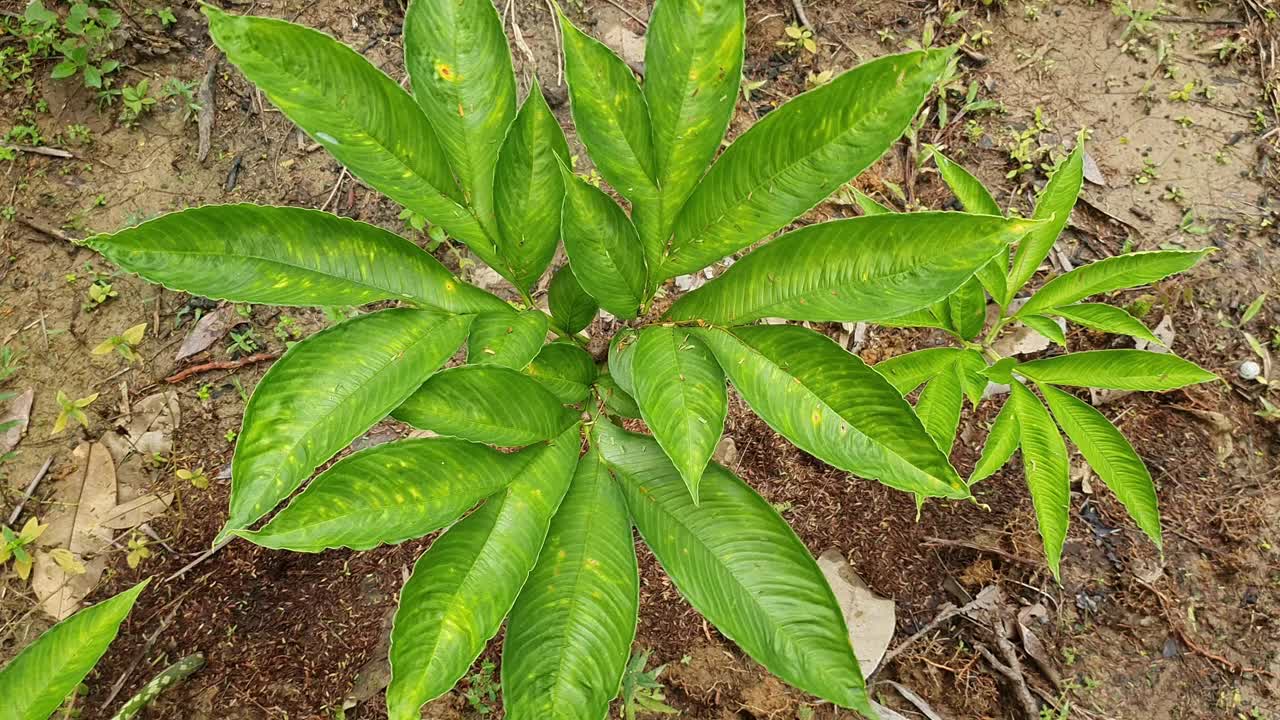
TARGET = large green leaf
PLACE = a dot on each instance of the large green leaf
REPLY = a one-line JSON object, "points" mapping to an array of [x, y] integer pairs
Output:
{"points": [[682, 398], [509, 339], [528, 191], [610, 115], [798, 155], [565, 369], [831, 405], [975, 198], [1105, 318], [869, 268], [622, 358], [740, 565], [1110, 455], [460, 66], [603, 248], [1045, 464], [1113, 273], [1116, 370], [465, 584], [486, 403], [361, 116], [1001, 443], [1054, 207], [325, 392], [909, 371], [570, 632], [34, 684], [693, 65], [571, 307], [939, 407], [286, 256], [387, 494]]}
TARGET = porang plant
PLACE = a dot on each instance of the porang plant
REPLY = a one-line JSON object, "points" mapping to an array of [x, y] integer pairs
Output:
{"points": [[542, 537]]}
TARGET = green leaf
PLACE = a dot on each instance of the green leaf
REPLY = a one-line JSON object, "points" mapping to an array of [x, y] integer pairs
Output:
{"points": [[832, 406], [35, 683], [1110, 455], [1001, 443], [1046, 326], [970, 191], [1105, 318], [911, 370], [528, 191], [869, 268], [1045, 464], [565, 369], [357, 113], [788, 162], [475, 402], [1113, 273], [464, 585], [939, 407], [509, 339], [1054, 207], [973, 377], [693, 65], [603, 248], [325, 392], [570, 632], [868, 204], [1116, 370], [966, 309], [923, 317], [286, 256], [616, 400], [610, 115], [622, 357], [571, 307], [682, 398], [786, 618], [387, 494], [458, 60]]}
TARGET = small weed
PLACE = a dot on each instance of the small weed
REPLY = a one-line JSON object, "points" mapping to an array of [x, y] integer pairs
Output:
{"points": [[100, 291], [14, 545], [204, 393], [798, 38], [482, 690], [164, 15], [124, 343], [137, 102], [71, 410], [230, 436], [242, 343], [184, 94], [641, 689], [196, 477], [80, 134], [138, 550]]}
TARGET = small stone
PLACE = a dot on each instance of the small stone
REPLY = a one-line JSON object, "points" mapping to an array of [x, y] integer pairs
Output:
{"points": [[1249, 370]]}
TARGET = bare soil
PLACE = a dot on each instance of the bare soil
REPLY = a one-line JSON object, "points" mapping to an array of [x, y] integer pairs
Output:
{"points": [[1192, 634]]}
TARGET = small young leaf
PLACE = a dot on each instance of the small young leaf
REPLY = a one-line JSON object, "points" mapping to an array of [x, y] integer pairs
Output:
{"points": [[1116, 370], [1001, 443], [1105, 318], [616, 400], [909, 371], [940, 405], [621, 357], [1113, 273], [1046, 326], [868, 204], [1054, 207], [1045, 464], [603, 248]]}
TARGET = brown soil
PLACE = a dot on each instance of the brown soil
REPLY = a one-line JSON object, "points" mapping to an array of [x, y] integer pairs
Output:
{"points": [[1190, 635]]}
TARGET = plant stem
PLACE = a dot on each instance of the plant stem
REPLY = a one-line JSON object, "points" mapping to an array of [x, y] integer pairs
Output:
{"points": [[169, 677]]}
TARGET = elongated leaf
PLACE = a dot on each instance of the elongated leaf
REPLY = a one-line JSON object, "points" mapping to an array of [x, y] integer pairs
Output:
{"points": [[35, 683], [571, 307], [693, 65], [286, 256], [1054, 207], [565, 369], [622, 358], [682, 398], [325, 392], [909, 371], [939, 407], [966, 309], [969, 190], [831, 405], [616, 400], [570, 632], [786, 618], [354, 110], [923, 317], [465, 584], [1001, 443], [1046, 326], [1105, 318], [1113, 273], [973, 377], [868, 204], [1116, 370], [509, 339], [610, 115], [387, 494], [478, 403], [1045, 464], [788, 162], [528, 191], [460, 66], [865, 268], [1110, 455], [603, 248]]}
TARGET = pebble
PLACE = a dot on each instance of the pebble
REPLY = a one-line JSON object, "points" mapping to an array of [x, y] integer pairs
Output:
{"points": [[1249, 370]]}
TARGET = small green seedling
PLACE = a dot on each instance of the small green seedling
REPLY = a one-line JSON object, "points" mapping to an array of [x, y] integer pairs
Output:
{"points": [[124, 343], [196, 477], [71, 410], [100, 291], [183, 93], [482, 690], [642, 692], [136, 100], [798, 38], [242, 343], [14, 546], [138, 550]]}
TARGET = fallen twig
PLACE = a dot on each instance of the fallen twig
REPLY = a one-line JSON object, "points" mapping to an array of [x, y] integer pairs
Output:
{"points": [[203, 556], [1192, 645], [1013, 673], [42, 150], [221, 365], [205, 96], [31, 489], [54, 233], [984, 600], [803, 17]]}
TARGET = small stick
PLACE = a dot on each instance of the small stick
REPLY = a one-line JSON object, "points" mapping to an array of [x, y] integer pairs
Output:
{"points": [[31, 489], [1014, 676], [42, 150], [630, 14], [804, 18], [203, 556], [336, 186], [220, 365], [169, 677], [54, 233]]}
